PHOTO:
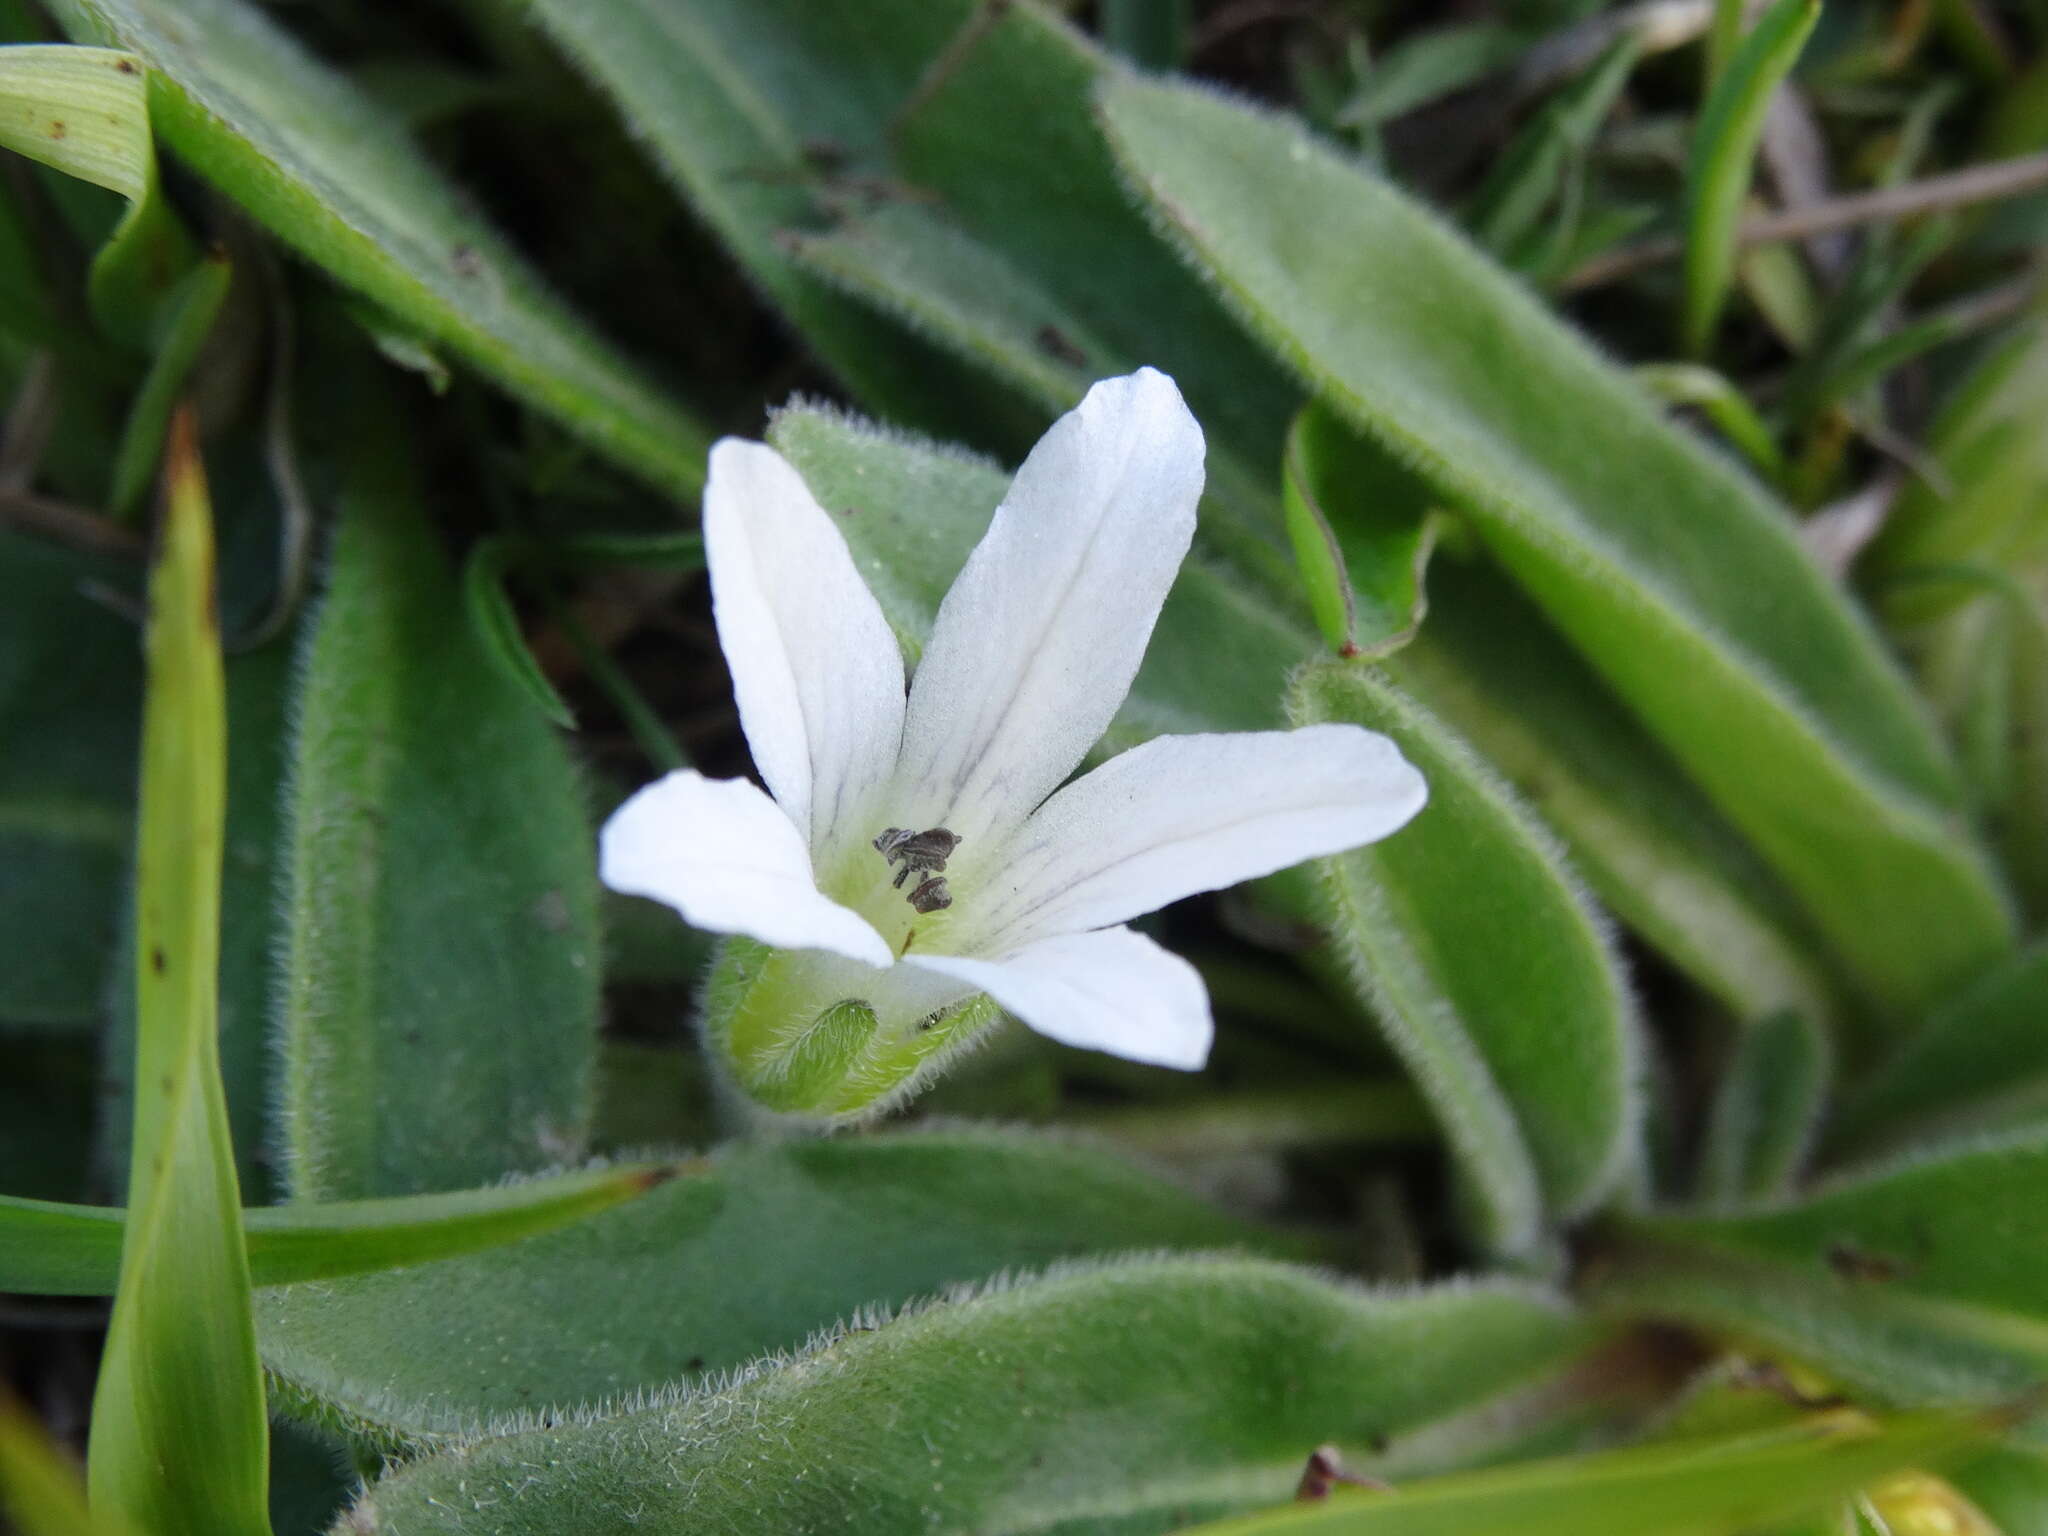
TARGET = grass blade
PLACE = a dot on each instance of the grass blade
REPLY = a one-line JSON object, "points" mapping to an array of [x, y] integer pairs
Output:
{"points": [[180, 1443], [49, 1249], [1723, 154]]}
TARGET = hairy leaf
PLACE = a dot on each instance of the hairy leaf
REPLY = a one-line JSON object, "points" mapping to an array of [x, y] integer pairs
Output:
{"points": [[315, 162], [441, 956], [1979, 1063], [1469, 938], [1918, 1281], [1125, 1398], [706, 1273], [1675, 576], [1767, 1111]]}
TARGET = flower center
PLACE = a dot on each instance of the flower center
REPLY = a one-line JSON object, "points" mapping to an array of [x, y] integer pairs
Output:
{"points": [[924, 855]]}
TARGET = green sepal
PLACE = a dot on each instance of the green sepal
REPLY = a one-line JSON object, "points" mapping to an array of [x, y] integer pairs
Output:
{"points": [[783, 1029]]}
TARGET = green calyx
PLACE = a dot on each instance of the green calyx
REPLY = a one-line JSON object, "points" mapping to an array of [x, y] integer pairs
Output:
{"points": [[785, 1028]]}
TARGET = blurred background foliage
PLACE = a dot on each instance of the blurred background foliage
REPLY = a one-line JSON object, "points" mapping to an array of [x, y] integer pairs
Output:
{"points": [[1706, 1007]]}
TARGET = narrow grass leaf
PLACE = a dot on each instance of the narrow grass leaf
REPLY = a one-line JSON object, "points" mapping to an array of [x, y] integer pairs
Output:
{"points": [[1914, 1281], [1767, 1111], [1727, 407], [85, 111], [441, 958], [41, 1491], [179, 1434], [742, 1258], [1681, 582], [1726, 1487], [48, 1249], [1723, 159], [1126, 1397], [1494, 979], [322, 168]]}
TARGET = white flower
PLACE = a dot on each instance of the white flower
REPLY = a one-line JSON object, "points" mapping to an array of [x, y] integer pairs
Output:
{"points": [[921, 850]]}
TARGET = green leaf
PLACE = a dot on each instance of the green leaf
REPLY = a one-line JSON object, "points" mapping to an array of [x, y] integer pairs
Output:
{"points": [[1991, 507], [1719, 1487], [85, 111], [1126, 1398], [1650, 844], [911, 511], [70, 682], [258, 702], [1723, 158], [41, 1493], [190, 309], [1431, 64], [2011, 1486], [1494, 980], [1362, 532], [179, 1432], [1675, 576], [1727, 407], [441, 959], [1916, 1282], [496, 623], [760, 112], [1981, 1062], [707, 1273], [1766, 1112], [47, 1249], [323, 169], [914, 263]]}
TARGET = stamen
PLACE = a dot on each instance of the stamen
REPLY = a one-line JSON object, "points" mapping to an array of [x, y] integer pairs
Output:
{"points": [[920, 853]]}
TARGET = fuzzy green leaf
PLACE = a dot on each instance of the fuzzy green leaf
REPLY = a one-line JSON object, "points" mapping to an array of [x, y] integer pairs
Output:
{"points": [[1650, 844], [1127, 1398], [706, 1273], [74, 1250], [335, 178], [180, 1440], [1917, 1282], [1767, 1111], [1362, 532], [784, 115], [441, 955], [1468, 936], [1680, 581], [1979, 1063]]}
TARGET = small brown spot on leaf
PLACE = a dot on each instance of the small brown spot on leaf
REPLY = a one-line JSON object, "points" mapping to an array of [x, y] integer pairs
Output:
{"points": [[1853, 1263], [1056, 343], [125, 66], [157, 962], [58, 130]]}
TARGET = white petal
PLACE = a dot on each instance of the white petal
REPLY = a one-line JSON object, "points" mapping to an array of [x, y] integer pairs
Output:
{"points": [[1113, 991], [725, 856], [1182, 814], [817, 673], [1035, 646]]}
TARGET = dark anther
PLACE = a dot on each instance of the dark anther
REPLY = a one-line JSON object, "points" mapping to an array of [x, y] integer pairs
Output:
{"points": [[931, 895], [920, 853]]}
